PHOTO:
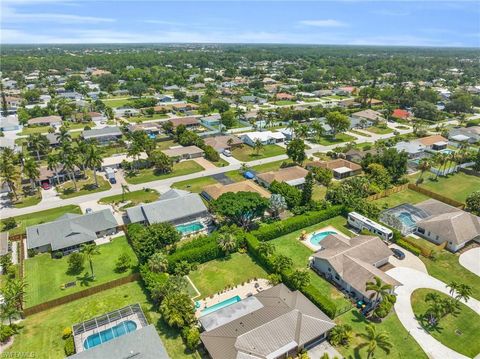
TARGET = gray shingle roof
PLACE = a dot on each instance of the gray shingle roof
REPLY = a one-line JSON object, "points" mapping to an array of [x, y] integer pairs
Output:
{"points": [[171, 207], [286, 320], [106, 131], [140, 344], [70, 229]]}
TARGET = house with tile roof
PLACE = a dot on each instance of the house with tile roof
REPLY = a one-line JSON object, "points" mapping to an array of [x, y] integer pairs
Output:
{"points": [[294, 176], [275, 323]]}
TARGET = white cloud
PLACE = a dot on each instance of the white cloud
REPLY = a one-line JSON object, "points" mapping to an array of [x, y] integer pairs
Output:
{"points": [[323, 23]]}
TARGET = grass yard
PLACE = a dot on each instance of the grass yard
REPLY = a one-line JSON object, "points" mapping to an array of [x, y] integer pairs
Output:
{"points": [[34, 129], [271, 166], [285, 103], [235, 175], [46, 275], [379, 130], [406, 196], [290, 246], [247, 153], [112, 149], [48, 215], [456, 331], [135, 197], [84, 186], [164, 145], [220, 163], [116, 102], [42, 332], [29, 200], [360, 133], [214, 276], [456, 186], [319, 192], [446, 268], [195, 185], [404, 346], [339, 138], [179, 169], [138, 119]]}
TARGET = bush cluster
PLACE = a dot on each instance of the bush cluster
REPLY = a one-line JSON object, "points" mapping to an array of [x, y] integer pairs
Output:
{"points": [[402, 243]]}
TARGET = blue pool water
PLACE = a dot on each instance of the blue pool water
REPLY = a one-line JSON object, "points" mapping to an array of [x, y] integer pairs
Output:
{"points": [[221, 305], [317, 237], [190, 227], [447, 151], [109, 334], [406, 219], [152, 136]]}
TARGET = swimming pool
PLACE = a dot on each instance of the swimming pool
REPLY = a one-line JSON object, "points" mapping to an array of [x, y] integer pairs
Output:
{"points": [[109, 334], [220, 305], [447, 151], [316, 238], [406, 219], [190, 228]]}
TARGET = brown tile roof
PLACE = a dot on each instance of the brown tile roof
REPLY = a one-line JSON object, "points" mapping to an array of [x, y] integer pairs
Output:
{"points": [[337, 163], [45, 119], [184, 121], [430, 140], [284, 174], [369, 114], [220, 142], [217, 189]]}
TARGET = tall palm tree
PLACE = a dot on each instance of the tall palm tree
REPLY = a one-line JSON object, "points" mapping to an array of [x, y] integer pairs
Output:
{"points": [[31, 171], [70, 163], [90, 250], [378, 288], [453, 287], [227, 242], [9, 172], [424, 165], [258, 146], [38, 143], [93, 160], [375, 340], [266, 248], [16, 291], [53, 161], [464, 292], [125, 189], [63, 136]]}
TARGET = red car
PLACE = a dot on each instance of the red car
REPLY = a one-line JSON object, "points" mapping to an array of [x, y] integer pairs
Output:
{"points": [[46, 185]]}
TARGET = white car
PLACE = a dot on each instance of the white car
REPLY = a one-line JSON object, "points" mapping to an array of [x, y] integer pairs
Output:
{"points": [[227, 153]]}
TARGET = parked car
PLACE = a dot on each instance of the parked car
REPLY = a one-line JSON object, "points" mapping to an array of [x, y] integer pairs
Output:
{"points": [[46, 185], [227, 153], [113, 180], [397, 253], [88, 210]]}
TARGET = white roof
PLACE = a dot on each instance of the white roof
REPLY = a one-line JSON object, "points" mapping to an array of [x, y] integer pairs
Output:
{"points": [[460, 138], [116, 160], [265, 135], [342, 170]]}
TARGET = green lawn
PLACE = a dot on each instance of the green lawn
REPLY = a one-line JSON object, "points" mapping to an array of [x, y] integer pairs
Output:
{"points": [[164, 145], [285, 103], [271, 166], [379, 130], [42, 332], [194, 185], [404, 346], [29, 200], [247, 153], [290, 246], [458, 331], [84, 186], [156, 116], [406, 196], [34, 129], [112, 149], [457, 186], [319, 192], [360, 133], [339, 138], [46, 275], [114, 102], [179, 169], [220, 163], [235, 175], [212, 277], [48, 215], [135, 197], [446, 268]]}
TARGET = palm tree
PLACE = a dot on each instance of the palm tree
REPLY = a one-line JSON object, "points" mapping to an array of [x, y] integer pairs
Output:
{"points": [[63, 136], [93, 160], [227, 242], [266, 248], [374, 340], [453, 287], [53, 161], [125, 189], [31, 171], [317, 129], [302, 131], [258, 146], [158, 262], [281, 263], [463, 292], [90, 250], [424, 165], [38, 143], [16, 291], [8, 310], [70, 163], [340, 335], [9, 171], [378, 288]]}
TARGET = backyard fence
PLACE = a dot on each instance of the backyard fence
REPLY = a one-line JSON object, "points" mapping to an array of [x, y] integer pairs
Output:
{"points": [[470, 172], [436, 196], [82, 294], [387, 192], [17, 237]]}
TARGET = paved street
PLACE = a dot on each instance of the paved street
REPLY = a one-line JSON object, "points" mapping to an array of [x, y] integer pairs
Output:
{"points": [[471, 260]]}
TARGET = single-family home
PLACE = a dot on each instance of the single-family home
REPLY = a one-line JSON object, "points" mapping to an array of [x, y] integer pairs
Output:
{"points": [[414, 149], [341, 168], [401, 114], [183, 107], [283, 96], [294, 176], [103, 135], [265, 137], [434, 142], [352, 262], [184, 153], [97, 117], [54, 121], [70, 231], [12, 103], [115, 161], [147, 127], [359, 122], [216, 190], [274, 323], [9, 123], [369, 115], [126, 111], [212, 120], [465, 134], [344, 91], [190, 123], [174, 206], [223, 142]]}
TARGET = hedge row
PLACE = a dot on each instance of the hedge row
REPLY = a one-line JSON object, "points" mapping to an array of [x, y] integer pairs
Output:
{"points": [[199, 250], [312, 293], [409, 247], [278, 229]]}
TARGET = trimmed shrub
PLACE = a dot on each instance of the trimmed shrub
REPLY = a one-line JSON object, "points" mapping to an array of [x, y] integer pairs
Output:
{"points": [[69, 346], [409, 247], [5, 333], [293, 224], [67, 332]]}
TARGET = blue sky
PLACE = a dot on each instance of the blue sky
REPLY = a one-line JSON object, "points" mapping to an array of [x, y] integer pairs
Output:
{"points": [[352, 22]]}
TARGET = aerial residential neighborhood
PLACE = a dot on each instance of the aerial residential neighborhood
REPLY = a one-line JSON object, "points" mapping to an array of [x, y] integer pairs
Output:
{"points": [[260, 183]]}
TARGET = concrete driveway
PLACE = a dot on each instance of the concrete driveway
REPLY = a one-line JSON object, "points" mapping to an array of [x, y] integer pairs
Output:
{"points": [[413, 279], [471, 260], [410, 260], [324, 347]]}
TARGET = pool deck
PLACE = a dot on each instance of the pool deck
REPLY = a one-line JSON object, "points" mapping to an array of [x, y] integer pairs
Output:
{"points": [[80, 338], [314, 247], [242, 291]]}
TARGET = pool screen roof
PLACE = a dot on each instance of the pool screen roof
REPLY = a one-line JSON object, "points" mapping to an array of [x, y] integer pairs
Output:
{"points": [[111, 317]]}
